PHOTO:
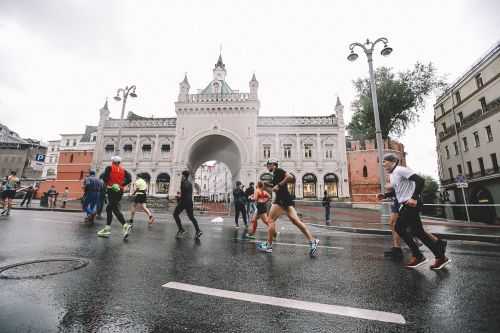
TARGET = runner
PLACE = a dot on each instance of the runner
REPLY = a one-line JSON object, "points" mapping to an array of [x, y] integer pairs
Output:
{"points": [[9, 192], [52, 195], [239, 199], [407, 189], [92, 187], [140, 197], [261, 197], [283, 204], [185, 202], [250, 202], [116, 179]]}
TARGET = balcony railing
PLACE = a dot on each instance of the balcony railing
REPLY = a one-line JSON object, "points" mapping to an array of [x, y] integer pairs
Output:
{"points": [[234, 97]]}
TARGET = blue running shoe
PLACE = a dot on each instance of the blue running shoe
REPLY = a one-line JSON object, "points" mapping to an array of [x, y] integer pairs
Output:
{"points": [[264, 247]]}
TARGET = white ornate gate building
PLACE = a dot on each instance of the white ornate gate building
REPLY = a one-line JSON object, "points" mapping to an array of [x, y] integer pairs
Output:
{"points": [[219, 123]]}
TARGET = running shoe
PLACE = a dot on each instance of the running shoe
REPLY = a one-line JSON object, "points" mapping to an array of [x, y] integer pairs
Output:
{"points": [[440, 263], [127, 227], [250, 236], [276, 234], [264, 247], [180, 234], [198, 234], [4, 212], [394, 253], [415, 262], [313, 251], [104, 232]]}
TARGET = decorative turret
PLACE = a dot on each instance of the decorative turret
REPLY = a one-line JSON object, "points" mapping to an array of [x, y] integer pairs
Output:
{"points": [[104, 112], [254, 87], [184, 89], [339, 110], [220, 70]]}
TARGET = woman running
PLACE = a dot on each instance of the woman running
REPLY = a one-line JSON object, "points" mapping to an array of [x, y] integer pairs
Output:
{"points": [[261, 197]]}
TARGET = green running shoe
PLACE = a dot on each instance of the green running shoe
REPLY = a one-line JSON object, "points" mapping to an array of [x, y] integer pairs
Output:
{"points": [[127, 227], [104, 232], [250, 236]]}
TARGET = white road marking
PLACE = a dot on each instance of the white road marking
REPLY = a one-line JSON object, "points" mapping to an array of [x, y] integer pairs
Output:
{"points": [[340, 310], [291, 244]]}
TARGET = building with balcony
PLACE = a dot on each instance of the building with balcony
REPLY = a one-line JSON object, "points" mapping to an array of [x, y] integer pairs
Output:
{"points": [[467, 127]]}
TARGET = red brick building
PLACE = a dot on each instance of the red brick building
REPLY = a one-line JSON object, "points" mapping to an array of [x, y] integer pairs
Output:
{"points": [[362, 160]]}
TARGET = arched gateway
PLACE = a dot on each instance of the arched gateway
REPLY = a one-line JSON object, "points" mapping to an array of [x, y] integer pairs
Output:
{"points": [[223, 124]]}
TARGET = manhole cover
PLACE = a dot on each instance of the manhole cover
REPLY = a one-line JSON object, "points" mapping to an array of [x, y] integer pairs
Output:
{"points": [[36, 269]]}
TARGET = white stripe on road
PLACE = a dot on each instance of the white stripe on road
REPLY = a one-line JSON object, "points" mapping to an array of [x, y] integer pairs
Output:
{"points": [[340, 310], [291, 244]]}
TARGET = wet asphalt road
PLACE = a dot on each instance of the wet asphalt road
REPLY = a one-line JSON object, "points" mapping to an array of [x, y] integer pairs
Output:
{"points": [[121, 288]]}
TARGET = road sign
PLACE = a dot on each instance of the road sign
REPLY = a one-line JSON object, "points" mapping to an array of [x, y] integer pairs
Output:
{"points": [[462, 185], [460, 179], [40, 158]]}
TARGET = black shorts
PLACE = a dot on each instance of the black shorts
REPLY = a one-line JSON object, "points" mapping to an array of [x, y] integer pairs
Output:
{"points": [[140, 197], [8, 194], [261, 208], [284, 201]]}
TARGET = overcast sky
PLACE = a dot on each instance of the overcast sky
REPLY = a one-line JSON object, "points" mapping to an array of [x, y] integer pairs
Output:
{"points": [[59, 60]]}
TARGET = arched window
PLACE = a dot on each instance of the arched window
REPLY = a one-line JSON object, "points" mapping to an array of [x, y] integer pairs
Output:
{"points": [[309, 182], [291, 185], [365, 171], [331, 185], [162, 183]]}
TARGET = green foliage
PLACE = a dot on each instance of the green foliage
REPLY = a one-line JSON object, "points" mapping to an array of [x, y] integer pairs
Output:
{"points": [[401, 97]]}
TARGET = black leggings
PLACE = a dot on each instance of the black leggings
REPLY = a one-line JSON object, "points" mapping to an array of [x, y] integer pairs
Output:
{"points": [[409, 225], [188, 206], [240, 208], [113, 207]]}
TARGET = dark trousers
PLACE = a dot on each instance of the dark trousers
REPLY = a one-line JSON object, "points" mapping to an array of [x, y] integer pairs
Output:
{"points": [[327, 214], [27, 199], [102, 199], [409, 225], [240, 208], [114, 207], [188, 206]]}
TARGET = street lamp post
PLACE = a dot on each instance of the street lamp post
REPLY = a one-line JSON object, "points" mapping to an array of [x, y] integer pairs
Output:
{"points": [[368, 48], [122, 95]]}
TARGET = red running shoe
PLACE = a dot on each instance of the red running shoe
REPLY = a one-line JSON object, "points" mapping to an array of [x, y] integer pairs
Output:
{"points": [[415, 262], [440, 263]]}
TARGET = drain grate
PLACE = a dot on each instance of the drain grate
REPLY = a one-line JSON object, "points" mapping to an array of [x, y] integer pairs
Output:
{"points": [[36, 269]]}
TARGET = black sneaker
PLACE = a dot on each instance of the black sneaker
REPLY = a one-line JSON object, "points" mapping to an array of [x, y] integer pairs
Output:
{"points": [[180, 234], [198, 234], [394, 253]]}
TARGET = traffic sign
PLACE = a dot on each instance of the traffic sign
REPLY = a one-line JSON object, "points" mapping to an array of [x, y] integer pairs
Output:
{"points": [[462, 185], [460, 179]]}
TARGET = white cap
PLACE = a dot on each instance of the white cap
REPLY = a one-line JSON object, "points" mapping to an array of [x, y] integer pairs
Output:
{"points": [[116, 159]]}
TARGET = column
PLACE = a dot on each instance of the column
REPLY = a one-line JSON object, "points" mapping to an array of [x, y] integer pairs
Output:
{"points": [[137, 147], [299, 154], [319, 156], [156, 148], [277, 146]]}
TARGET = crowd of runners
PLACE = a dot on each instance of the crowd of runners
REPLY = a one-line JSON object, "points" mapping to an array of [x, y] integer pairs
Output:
{"points": [[266, 202]]}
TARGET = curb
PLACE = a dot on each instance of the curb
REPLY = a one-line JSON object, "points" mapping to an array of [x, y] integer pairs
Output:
{"points": [[64, 210], [450, 236]]}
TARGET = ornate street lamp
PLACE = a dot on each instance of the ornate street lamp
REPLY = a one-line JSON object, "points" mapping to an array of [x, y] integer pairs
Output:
{"points": [[368, 48], [122, 95]]}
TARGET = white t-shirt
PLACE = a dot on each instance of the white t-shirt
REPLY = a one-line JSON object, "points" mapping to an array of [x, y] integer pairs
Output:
{"points": [[402, 185]]}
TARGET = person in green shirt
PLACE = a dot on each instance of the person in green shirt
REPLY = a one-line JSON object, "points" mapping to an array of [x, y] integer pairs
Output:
{"points": [[140, 198]]}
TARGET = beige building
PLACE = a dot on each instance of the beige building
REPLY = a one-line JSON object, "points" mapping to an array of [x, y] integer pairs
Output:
{"points": [[467, 126]]}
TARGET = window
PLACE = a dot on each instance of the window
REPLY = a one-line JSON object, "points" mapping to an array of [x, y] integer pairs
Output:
{"points": [[481, 166], [457, 97], [127, 148], [476, 139], [71, 158], [109, 148], [365, 171], [329, 152], [479, 81], [466, 144], [67, 142], [146, 148], [165, 148], [287, 151], [444, 126], [267, 151], [308, 150], [74, 142], [455, 146], [489, 134], [459, 168], [94, 138], [442, 109], [469, 169], [450, 170], [483, 104], [494, 162], [447, 152], [461, 117]]}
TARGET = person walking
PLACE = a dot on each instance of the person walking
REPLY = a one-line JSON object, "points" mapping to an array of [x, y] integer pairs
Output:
{"points": [[185, 202], [9, 192], [65, 196], [239, 199], [116, 179], [140, 198], [250, 202], [28, 196], [407, 188], [52, 196], [102, 198], [283, 204], [326, 204], [92, 187]]}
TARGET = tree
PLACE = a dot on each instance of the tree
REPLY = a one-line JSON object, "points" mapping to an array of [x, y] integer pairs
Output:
{"points": [[429, 194], [401, 97]]}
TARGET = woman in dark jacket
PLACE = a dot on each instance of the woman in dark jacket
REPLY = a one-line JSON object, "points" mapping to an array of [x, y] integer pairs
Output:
{"points": [[239, 199]]}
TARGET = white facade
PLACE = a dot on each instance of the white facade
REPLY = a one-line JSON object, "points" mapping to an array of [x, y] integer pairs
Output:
{"points": [[467, 125], [222, 124], [51, 160], [213, 181]]}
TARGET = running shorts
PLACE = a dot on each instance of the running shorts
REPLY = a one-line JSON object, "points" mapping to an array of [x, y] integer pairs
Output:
{"points": [[8, 194], [284, 201], [140, 197], [261, 208]]}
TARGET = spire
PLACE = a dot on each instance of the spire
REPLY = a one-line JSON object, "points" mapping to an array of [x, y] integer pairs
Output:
{"points": [[105, 107], [338, 102], [253, 77], [185, 78], [220, 63]]}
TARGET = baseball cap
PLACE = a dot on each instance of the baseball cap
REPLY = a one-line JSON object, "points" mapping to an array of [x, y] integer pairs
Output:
{"points": [[116, 159]]}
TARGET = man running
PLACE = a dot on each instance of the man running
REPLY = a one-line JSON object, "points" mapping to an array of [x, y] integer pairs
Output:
{"points": [[116, 179], [9, 192], [239, 199], [283, 204], [140, 198], [92, 187], [185, 202], [407, 189]]}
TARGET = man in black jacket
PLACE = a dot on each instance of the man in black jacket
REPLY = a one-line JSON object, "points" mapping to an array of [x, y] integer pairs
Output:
{"points": [[185, 201], [407, 187], [239, 199]]}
